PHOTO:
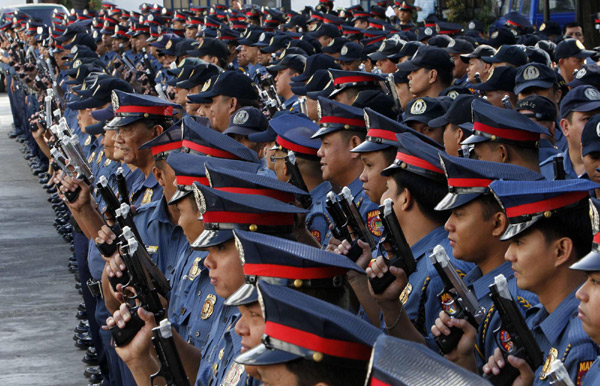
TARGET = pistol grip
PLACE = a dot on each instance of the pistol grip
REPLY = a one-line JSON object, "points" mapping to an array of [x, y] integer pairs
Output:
{"points": [[380, 284], [447, 343], [355, 251], [106, 250], [125, 335], [506, 377], [72, 196], [118, 280]]}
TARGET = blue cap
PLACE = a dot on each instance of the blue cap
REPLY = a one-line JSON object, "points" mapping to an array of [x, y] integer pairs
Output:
{"points": [[287, 263], [512, 54], [293, 61], [101, 94], [189, 169], [202, 140], [581, 99], [246, 121], [350, 52], [571, 48], [376, 100], [428, 57], [224, 211], [207, 87], [326, 29], [417, 157], [105, 114], [346, 79], [459, 112], [169, 141], [542, 108], [534, 75], [232, 84], [469, 178], [336, 336], [314, 63], [199, 75], [500, 78], [589, 74], [129, 107], [591, 261], [250, 37], [423, 110], [527, 202], [495, 124], [420, 366], [388, 49], [590, 136], [294, 133], [335, 116], [318, 85]]}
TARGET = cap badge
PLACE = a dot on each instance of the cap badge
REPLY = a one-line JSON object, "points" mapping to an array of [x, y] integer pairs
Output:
{"points": [[543, 27], [531, 73], [272, 41], [241, 117], [579, 45], [115, 101], [495, 34], [581, 73], [262, 37], [344, 50], [382, 47], [319, 110], [592, 94], [77, 63], [514, 32], [453, 94], [418, 107], [74, 50], [428, 31], [471, 25], [206, 85], [169, 44], [598, 129], [452, 43]]}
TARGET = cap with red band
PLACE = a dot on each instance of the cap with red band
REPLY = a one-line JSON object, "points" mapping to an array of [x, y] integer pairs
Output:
{"points": [[335, 116], [167, 142], [188, 169], [526, 202], [300, 326], [418, 157]]}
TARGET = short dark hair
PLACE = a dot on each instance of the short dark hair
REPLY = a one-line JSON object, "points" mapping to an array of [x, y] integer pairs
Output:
{"points": [[573, 223], [338, 296], [164, 122], [489, 206], [244, 102], [348, 134], [389, 154], [309, 373], [572, 25], [426, 192], [445, 76]]}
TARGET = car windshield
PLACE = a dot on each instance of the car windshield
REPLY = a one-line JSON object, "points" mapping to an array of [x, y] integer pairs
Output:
{"points": [[42, 13], [523, 6]]}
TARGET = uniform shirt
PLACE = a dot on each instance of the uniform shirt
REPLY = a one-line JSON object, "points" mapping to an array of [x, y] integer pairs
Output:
{"points": [[480, 285], [223, 345], [291, 104], [316, 220], [560, 335], [144, 189], [592, 377], [108, 58], [547, 166], [420, 297], [367, 208], [547, 150]]}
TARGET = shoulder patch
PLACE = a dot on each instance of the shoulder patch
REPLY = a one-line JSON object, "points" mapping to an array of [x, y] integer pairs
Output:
{"points": [[317, 235], [582, 369], [374, 223]]}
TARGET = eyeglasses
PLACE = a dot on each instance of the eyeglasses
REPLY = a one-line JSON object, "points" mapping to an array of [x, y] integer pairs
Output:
{"points": [[272, 158]]}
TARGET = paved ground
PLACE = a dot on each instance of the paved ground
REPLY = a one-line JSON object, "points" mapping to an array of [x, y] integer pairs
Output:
{"points": [[38, 299]]}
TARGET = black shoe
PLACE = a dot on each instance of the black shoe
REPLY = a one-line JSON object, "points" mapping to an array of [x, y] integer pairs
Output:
{"points": [[91, 360], [81, 336], [81, 329], [78, 286], [81, 306], [45, 179], [83, 344], [51, 190], [96, 379], [81, 315], [73, 268], [91, 371]]}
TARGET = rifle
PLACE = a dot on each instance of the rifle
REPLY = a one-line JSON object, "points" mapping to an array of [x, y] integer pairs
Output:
{"points": [[152, 75], [513, 336], [267, 91], [456, 300], [122, 187], [70, 159], [171, 368], [390, 85], [146, 293], [559, 376], [340, 223], [297, 180], [394, 237], [112, 205]]}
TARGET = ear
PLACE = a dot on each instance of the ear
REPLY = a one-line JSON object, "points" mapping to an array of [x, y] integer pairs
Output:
{"points": [[504, 155], [563, 251], [233, 104], [433, 75], [354, 142], [407, 201], [557, 95], [564, 125], [158, 174], [500, 222], [158, 130]]}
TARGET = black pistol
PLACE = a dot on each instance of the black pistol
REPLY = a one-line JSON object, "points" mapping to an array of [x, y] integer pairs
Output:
{"points": [[122, 187], [513, 336], [559, 168], [297, 180], [456, 299], [146, 293], [340, 223], [398, 247], [171, 368], [356, 223]]}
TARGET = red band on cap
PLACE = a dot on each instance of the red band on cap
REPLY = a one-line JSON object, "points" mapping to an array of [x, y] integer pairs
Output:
{"points": [[418, 162], [512, 134], [469, 182], [122, 33], [344, 121], [295, 147], [512, 23], [377, 26], [597, 238], [154, 110], [447, 32], [353, 79], [166, 147], [429, 24], [292, 273], [385, 134], [189, 180], [377, 382], [276, 194], [544, 205], [208, 150], [272, 219], [307, 340]]}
